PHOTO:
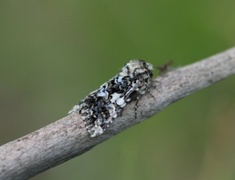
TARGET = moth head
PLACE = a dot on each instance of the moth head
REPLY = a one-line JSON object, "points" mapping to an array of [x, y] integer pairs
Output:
{"points": [[137, 67]]}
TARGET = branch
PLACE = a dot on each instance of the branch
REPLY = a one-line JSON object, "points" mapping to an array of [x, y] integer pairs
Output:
{"points": [[66, 138]]}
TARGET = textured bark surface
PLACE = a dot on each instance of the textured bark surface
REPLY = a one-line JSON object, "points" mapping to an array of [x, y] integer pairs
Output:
{"points": [[67, 137]]}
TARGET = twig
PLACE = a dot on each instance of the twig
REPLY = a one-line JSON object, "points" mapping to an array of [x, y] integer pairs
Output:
{"points": [[66, 138]]}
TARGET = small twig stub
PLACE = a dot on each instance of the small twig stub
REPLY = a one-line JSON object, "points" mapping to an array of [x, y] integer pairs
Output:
{"points": [[102, 106]]}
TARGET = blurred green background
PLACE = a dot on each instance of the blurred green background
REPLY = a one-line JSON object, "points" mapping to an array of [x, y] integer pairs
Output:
{"points": [[53, 53]]}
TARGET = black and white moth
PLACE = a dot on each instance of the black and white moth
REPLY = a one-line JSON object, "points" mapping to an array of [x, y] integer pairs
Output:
{"points": [[102, 106]]}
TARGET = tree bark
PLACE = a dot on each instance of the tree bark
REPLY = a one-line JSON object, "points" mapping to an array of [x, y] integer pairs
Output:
{"points": [[66, 138]]}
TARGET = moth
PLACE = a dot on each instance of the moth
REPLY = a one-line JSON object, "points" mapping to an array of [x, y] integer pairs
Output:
{"points": [[102, 106]]}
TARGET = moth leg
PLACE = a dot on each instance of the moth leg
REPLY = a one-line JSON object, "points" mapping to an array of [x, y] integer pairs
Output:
{"points": [[136, 107], [152, 96]]}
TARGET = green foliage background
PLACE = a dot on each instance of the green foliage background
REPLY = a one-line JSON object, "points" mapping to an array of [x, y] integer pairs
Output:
{"points": [[53, 53]]}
